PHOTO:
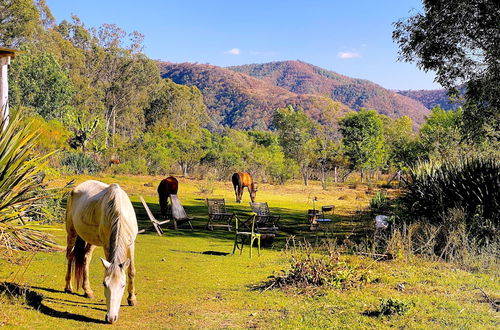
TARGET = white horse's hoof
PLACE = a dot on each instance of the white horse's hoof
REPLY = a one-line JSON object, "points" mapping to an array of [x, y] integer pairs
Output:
{"points": [[89, 295]]}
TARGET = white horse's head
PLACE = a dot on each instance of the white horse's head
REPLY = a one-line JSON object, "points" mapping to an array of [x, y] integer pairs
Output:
{"points": [[114, 285]]}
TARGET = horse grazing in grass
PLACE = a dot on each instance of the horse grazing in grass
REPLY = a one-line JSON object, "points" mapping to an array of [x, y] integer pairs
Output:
{"points": [[240, 181], [167, 187], [98, 214]]}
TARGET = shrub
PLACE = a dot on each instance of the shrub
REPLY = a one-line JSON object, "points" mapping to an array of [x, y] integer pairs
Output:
{"points": [[380, 203], [20, 167], [309, 268], [133, 166], [80, 163], [471, 184], [393, 306]]}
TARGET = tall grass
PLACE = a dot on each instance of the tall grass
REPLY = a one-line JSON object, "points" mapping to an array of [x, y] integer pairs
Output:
{"points": [[471, 185]]}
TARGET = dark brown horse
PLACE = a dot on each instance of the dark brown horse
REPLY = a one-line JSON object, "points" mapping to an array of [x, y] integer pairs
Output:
{"points": [[240, 181], [167, 187]]}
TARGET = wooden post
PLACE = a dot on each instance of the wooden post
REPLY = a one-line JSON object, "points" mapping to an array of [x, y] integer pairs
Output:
{"points": [[5, 55], [4, 89]]}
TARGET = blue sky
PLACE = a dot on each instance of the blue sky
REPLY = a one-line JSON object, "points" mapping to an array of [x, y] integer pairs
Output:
{"points": [[349, 37]]}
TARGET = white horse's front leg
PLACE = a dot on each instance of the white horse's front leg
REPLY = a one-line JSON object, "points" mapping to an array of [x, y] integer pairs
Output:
{"points": [[132, 299]]}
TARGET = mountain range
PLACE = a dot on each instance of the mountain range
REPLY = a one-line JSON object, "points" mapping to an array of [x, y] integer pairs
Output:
{"points": [[432, 98], [246, 96]]}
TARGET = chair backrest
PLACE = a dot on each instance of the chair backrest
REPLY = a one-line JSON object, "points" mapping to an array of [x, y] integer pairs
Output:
{"points": [[216, 205], [178, 211], [327, 209], [260, 208], [148, 211]]}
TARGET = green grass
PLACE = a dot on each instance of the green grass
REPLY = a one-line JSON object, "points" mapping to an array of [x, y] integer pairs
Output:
{"points": [[180, 287]]}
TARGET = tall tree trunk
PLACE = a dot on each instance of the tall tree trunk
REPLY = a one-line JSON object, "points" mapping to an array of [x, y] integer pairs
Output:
{"points": [[184, 168], [114, 130], [323, 178]]}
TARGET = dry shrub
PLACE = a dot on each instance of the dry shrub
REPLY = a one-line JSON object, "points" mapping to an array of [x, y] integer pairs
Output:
{"points": [[318, 267], [451, 240]]}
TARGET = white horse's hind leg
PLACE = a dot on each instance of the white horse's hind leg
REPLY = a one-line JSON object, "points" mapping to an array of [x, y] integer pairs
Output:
{"points": [[132, 299], [71, 238], [86, 282]]}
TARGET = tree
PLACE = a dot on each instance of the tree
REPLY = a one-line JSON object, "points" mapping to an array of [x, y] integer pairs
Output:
{"points": [[39, 82], [363, 139], [123, 76], [327, 155], [400, 142], [459, 39], [294, 131], [180, 107], [440, 134], [19, 21]]}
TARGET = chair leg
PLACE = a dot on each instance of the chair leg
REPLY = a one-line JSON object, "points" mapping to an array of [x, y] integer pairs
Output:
{"points": [[251, 246], [190, 225], [258, 244], [235, 243]]}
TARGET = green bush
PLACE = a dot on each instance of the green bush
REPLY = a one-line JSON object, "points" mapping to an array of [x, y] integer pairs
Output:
{"points": [[393, 306], [472, 185], [134, 166], [380, 203], [20, 181], [80, 163]]}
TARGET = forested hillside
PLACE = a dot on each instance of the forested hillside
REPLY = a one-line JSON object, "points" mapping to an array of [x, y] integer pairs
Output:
{"points": [[240, 101], [303, 78], [432, 98]]}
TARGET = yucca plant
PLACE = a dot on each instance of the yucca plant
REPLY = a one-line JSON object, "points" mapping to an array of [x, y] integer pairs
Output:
{"points": [[471, 184], [19, 178]]}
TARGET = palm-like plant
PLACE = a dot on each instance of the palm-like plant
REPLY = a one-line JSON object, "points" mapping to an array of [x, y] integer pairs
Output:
{"points": [[19, 178]]}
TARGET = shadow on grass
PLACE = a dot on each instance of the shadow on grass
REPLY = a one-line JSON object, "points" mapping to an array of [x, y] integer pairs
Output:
{"points": [[292, 222], [35, 300], [211, 253]]}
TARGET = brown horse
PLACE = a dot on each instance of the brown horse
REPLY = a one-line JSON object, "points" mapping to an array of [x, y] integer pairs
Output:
{"points": [[240, 181], [167, 187]]}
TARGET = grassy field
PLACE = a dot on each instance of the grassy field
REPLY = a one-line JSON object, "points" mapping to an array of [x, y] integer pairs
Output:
{"points": [[181, 284]]}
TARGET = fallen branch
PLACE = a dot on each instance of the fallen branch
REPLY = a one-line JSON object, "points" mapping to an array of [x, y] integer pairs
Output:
{"points": [[494, 304]]}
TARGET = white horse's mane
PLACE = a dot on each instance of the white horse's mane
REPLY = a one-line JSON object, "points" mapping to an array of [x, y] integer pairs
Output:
{"points": [[118, 242]]}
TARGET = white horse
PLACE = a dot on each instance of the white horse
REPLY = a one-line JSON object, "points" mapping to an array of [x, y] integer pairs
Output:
{"points": [[98, 214]]}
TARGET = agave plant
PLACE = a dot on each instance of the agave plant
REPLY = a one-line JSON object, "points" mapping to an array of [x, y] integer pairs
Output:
{"points": [[471, 184], [19, 178]]}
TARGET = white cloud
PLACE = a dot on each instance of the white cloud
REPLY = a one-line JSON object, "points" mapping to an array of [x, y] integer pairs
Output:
{"points": [[347, 55], [233, 51]]}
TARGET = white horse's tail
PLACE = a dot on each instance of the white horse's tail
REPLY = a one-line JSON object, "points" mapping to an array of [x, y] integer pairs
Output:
{"points": [[75, 252], [79, 251]]}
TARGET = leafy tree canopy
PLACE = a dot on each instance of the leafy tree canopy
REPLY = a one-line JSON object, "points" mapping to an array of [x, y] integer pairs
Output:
{"points": [[459, 39], [363, 139]]}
